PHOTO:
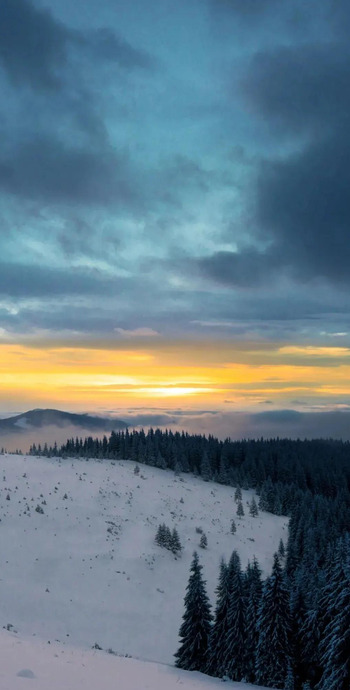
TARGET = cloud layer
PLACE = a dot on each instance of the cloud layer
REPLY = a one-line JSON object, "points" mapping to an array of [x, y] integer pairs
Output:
{"points": [[174, 171]]}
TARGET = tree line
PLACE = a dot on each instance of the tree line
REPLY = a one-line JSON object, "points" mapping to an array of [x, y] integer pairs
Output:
{"points": [[309, 481], [261, 632]]}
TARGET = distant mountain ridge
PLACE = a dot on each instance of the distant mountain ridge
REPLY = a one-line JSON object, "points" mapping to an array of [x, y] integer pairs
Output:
{"points": [[38, 419]]}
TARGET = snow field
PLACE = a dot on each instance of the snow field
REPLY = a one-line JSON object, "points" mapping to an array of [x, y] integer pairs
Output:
{"points": [[34, 665], [88, 570]]}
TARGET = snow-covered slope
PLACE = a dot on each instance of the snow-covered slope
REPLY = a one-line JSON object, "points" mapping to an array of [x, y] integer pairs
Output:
{"points": [[88, 570], [38, 666]]}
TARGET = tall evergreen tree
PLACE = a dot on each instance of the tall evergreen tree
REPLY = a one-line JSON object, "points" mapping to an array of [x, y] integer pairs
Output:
{"points": [[289, 684], [205, 467], [175, 544], [273, 650], [253, 587], [240, 509], [217, 664], [335, 646], [220, 626], [298, 614], [235, 638], [238, 494], [253, 508], [195, 629]]}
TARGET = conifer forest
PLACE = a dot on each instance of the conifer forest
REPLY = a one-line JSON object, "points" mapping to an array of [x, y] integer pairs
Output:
{"points": [[292, 630]]}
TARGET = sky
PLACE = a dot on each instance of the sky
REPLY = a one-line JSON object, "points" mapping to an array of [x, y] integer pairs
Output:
{"points": [[174, 216]]}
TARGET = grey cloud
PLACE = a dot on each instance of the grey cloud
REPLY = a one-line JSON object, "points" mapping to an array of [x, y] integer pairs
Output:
{"points": [[300, 201], [303, 205], [32, 44], [288, 424], [20, 280], [246, 9], [104, 44], [149, 419], [300, 88], [238, 269], [278, 416], [291, 424], [49, 169]]}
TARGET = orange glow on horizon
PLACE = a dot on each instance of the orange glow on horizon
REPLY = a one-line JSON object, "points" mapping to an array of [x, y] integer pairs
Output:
{"points": [[214, 374]]}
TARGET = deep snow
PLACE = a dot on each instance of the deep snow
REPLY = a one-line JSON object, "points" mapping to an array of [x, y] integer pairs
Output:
{"points": [[34, 665], [88, 570]]}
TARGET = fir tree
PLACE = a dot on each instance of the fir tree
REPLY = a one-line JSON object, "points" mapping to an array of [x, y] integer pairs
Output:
{"points": [[281, 550], [195, 630], [235, 638], [289, 684], [175, 544], [238, 494], [253, 587], [335, 646], [233, 527], [273, 649], [203, 542], [240, 510], [310, 639], [205, 468], [297, 620], [253, 508], [220, 626]]}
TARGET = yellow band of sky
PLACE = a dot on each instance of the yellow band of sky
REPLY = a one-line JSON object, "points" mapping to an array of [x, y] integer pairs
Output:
{"points": [[194, 374]]}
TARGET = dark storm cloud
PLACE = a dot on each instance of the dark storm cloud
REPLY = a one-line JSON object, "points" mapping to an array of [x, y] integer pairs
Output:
{"points": [[301, 88], [303, 203], [55, 143], [300, 95], [104, 44], [18, 280], [49, 169], [249, 10], [34, 45], [238, 269]]}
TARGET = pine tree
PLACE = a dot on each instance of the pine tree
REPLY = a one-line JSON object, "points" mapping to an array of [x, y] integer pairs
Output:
{"points": [[253, 587], [233, 527], [203, 542], [238, 494], [273, 650], [253, 508], [310, 639], [161, 535], [235, 638], [335, 646], [164, 537], [289, 684], [205, 468], [281, 549], [220, 626], [240, 510], [175, 544], [195, 630], [297, 621], [267, 496]]}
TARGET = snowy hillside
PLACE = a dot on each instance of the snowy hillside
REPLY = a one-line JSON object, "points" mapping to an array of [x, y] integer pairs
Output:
{"points": [[39, 666], [87, 570]]}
